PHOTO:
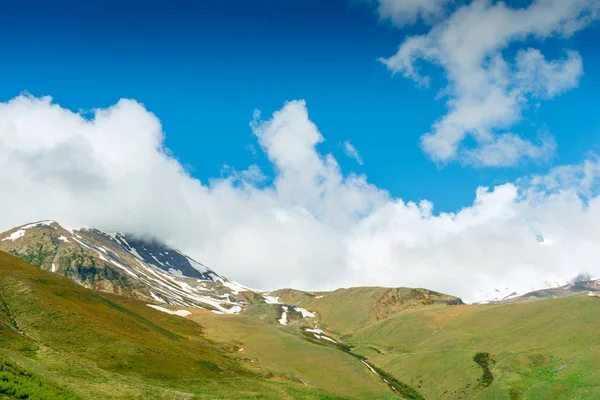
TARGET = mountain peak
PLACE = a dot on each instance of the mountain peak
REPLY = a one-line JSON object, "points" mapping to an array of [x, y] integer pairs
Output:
{"points": [[164, 257], [123, 264]]}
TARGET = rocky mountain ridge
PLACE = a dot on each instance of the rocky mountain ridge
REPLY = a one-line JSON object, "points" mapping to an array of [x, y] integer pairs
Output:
{"points": [[127, 265]]}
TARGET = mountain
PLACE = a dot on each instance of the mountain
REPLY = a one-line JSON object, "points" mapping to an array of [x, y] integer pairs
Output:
{"points": [[345, 310], [590, 287], [145, 321], [59, 340], [151, 272], [501, 293], [126, 265], [546, 349]]}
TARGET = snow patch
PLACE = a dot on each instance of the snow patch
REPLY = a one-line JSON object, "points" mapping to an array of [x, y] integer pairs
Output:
{"points": [[271, 299], [15, 235], [235, 310], [319, 334], [156, 259], [184, 290], [181, 313], [371, 368], [80, 242], [125, 269], [283, 319], [236, 287], [323, 337], [314, 330], [305, 313], [135, 253], [35, 224], [63, 238], [53, 268]]}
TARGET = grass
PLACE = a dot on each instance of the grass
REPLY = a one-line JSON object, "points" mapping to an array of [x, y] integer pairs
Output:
{"points": [[546, 349], [346, 310], [17, 382], [65, 337], [288, 351], [101, 346]]}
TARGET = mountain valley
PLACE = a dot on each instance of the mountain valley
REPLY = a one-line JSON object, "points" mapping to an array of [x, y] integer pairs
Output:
{"points": [[109, 315]]}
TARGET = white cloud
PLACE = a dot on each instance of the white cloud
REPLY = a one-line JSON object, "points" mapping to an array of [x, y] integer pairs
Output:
{"points": [[313, 228], [486, 92], [403, 12], [351, 152], [547, 79], [507, 149]]}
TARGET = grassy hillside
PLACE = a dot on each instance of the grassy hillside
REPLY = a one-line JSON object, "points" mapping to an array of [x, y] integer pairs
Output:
{"points": [[20, 383], [109, 347], [289, 352], [345, 310], [547, 349], [60, 340]]}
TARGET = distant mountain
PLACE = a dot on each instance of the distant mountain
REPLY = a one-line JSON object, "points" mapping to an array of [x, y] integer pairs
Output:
{"points": [[127, 265], [587, 287], [344, 311]]}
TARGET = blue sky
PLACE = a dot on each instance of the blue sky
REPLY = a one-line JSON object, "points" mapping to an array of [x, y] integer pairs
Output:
{"points": [[203, 67], [439, 98]]}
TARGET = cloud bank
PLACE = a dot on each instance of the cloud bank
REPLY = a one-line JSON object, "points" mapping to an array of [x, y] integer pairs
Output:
{"points": [[487, 89], [313, 227]]}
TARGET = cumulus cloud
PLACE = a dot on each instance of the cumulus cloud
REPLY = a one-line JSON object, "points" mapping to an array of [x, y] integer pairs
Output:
{"points": [[351, 152], [313, 227], [487, 91]]}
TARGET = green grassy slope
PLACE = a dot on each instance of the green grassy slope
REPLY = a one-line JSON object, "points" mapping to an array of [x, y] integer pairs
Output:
{"points": [[345, 310], [76, 342], [20, 383], [548, 349], [288, 351], [109, 347]]}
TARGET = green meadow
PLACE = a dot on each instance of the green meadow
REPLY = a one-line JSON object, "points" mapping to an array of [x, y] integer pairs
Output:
{"points": [[60, 340], [98, 346]]}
